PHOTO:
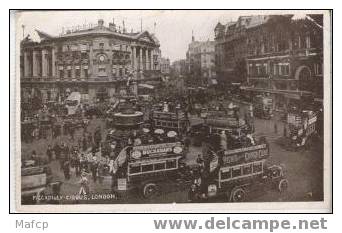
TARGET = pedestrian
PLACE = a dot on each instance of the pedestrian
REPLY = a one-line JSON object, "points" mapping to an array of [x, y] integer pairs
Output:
{"points": [[72, 132], [97, 137], [57, 150], [84, 144], [84, 190], [76, 163], [90, 138], [199, 160], [34, 156], [285, 131], [49, 153], [66, 169], [94, 167], [275, 127]]}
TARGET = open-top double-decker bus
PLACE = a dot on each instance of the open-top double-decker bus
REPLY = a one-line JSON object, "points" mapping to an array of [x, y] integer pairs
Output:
{"points": [[233, 173], [148, 169]]}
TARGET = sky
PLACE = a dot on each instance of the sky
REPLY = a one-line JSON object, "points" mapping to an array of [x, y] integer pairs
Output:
{"points": [[173, 27]]}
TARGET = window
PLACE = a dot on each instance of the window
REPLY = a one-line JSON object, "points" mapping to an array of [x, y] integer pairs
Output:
{"points": [[69, 73], [61, 74], [236, 171], [147, 168], [102, 69], [226, 174], [134, 168], [247, 169], [101, 45], [318, 68], [86, 73], [171, 164], [257, 167], [77, 73], [275, 69], [287, 70], [159, 166], [265, 69]]}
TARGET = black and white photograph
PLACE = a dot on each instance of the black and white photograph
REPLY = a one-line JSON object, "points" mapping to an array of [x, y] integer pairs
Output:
{"points": [[195, 108]]}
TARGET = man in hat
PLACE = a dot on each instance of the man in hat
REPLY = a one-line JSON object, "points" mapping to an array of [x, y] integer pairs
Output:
{"points": [[66, 169], [94, 168], [84, 190]]}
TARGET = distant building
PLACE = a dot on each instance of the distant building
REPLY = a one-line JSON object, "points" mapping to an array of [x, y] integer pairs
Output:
{"points": [[99, 61], [165, 65], [201, 62], [179, 67], [277, 55]]}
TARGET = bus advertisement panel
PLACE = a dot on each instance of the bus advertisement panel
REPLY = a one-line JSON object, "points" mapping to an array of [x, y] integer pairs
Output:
{"points": [[245, 154]]}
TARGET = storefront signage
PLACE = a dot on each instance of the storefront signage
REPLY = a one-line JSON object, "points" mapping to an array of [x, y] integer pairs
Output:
{"points": [[246, 154], [156, 150]]}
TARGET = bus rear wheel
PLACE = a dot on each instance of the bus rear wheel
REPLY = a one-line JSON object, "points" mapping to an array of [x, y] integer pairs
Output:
{"points": [[237, 195], [150, 190]]}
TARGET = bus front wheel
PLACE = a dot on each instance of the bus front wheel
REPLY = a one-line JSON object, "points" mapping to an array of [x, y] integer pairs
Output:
{"points": [[150, 190]]}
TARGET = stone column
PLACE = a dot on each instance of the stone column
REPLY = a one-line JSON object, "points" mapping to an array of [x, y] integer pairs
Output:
{"points": [[91, 63], [136, 59], [146, 60], [132, 56], [34, 64], [44, 63], [53, 61], [26, 64], [141, 59], [152, 66]]}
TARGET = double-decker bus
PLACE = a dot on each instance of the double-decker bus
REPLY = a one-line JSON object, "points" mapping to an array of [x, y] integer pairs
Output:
{"points": [[263, 107], [149, 169], [302, 126], [170, 121], [233, 173]]}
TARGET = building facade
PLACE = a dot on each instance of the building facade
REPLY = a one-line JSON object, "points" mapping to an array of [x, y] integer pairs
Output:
{"points": [[201, 62], [179, 67], [277, 55], [231, 48], [99, 61], [285, 60]]}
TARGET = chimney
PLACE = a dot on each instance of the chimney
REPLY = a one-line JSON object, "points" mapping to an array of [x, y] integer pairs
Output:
{"points": [[100, 22]]}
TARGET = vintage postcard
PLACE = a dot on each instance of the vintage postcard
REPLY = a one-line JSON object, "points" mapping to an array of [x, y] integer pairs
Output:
{"points": [[171, 111]]}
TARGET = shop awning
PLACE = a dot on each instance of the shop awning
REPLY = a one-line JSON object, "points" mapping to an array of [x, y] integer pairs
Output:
{"points": [[144, 85]]}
